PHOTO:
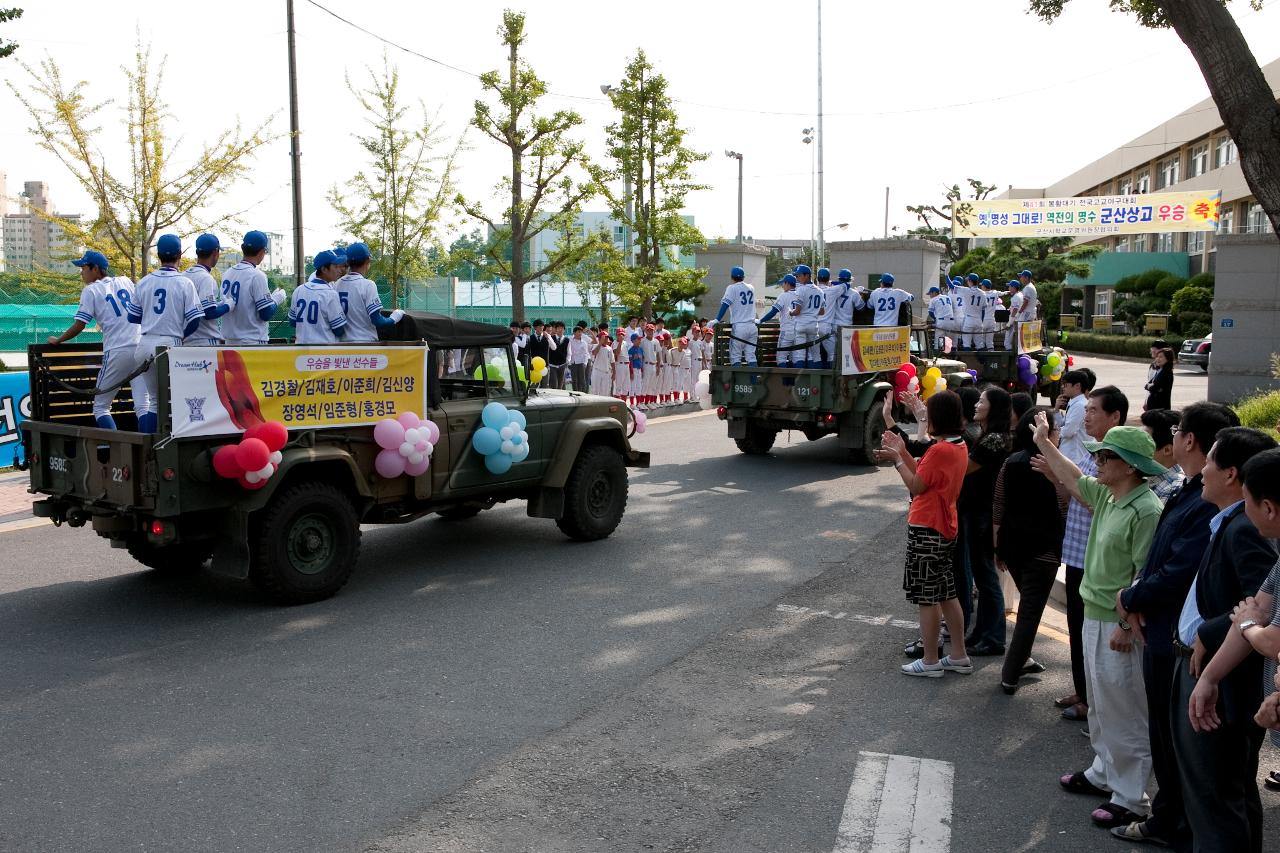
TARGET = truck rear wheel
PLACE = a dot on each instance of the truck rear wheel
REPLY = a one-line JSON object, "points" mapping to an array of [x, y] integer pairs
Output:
{"points": [[758, 440], [170, 559], [872, 433], [306, 544], [595, 495]]}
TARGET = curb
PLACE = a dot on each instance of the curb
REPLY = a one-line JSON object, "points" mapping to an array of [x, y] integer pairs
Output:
{"points": [[667, 411], [1059, 592]]}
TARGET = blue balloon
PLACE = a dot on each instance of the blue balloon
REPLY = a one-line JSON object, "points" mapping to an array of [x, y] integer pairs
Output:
{"points": [[486, 441], [517, 418], [517, 439], [498, 463], [495, 415], [521, 452]]}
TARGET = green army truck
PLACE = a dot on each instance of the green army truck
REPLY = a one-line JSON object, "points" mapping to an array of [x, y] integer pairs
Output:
{"points": [[1000, 366], [757, 403], [297, 535]]}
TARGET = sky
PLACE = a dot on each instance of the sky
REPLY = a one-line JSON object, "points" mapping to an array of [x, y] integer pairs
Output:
{"points": [[917, 94]]}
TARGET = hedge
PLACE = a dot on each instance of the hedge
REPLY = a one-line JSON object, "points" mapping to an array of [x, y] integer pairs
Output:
{"points": [[1128, 345]]}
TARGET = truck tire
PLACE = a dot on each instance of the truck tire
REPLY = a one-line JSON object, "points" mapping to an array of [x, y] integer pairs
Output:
{"points": [[872, 432], [306, 543], [758, 440], [595, 495], [170, 559]]}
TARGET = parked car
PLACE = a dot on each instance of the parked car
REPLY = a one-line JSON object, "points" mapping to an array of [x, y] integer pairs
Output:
{"points": [[1196, 351]]}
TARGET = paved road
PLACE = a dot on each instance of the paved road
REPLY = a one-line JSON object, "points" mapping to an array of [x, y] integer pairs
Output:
{"points": [[715, 677], [1189, 383]]}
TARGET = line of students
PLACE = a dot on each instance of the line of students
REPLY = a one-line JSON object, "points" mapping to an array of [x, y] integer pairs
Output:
{"points": [[966, 308]]}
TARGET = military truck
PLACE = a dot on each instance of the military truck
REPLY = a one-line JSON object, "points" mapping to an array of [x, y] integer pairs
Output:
{"points": [[1000, 366], [759, 402], [296, 535]]}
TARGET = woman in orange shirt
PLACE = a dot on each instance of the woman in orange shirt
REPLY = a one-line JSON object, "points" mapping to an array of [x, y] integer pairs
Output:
{"points": [[934, 482]]}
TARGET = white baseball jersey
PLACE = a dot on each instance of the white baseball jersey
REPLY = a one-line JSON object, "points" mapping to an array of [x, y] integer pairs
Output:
{"points": [[991, 302], [1029, 300], [208, 291], [317, 313], [1015, 307], [106, 302], [842, 301], [973, 300], [785, 303], [809, 296], [940, 308], [741, 298], [360, 301], [165, 301], [885, 301], [245, 287]]}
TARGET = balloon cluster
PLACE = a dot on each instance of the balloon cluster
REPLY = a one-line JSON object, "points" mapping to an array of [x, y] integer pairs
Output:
{"points": [[502, 440], [407, 443], [496, 370], [702, 390], [1054, 365], [255, 458], [1027, 370], [641, 419], [934, 382], [905, 381], [537, 369]]}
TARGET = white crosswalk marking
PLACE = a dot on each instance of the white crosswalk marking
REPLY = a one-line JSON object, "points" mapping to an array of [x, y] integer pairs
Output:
{"points": [[897, 804]]}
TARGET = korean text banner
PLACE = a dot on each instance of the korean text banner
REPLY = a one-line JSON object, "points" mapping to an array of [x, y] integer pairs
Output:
{"points": [[15, 407], [219, 391], [1088, 216], [874, 349], [1030, 336]]}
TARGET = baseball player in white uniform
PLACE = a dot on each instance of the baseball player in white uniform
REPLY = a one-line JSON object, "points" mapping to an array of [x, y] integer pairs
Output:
{"points": [[245, 288], [971, 317], [168, 309], [360, 300], [740, 303], [316, 310], [1015, 313], [105, 300], [990, 304], [886, 300], [1030, 299], [207, 333], [939, 315], [782, 308], [807, 311]]}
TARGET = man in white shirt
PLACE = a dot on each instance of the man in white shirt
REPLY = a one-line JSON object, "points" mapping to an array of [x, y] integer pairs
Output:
{"points": [[106, 300], [360, 300], [579, 358], [1029, 297], [990, 304], [245, 288], [782, 309], [1015, 314], [739, 302], [1071, 433], [886, 300], [316, 311]]}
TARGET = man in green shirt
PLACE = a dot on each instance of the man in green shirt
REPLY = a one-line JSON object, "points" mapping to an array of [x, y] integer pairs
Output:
{"points": [[1125, 516]]}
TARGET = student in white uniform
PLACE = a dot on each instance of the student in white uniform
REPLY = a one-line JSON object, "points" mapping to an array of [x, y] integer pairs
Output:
{"points": [[207, 333], [621, 364], [245, 288], [886, 300], [807, 311], [739, 302], [1015, 313], [105, 301], [167, 308], [939, 316], [649, 373], [360, 300], [1030, 299], [782, 308], [990, 304], [971, 318], [602, 362], [316, 311]]}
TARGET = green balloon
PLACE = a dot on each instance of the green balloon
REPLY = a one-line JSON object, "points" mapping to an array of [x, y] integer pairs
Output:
{"points": [[490, 370]]}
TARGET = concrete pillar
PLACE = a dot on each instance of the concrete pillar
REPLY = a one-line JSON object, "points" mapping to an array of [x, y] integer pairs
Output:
{"points": [[717, 259], [1246, 316], [915, 263]]}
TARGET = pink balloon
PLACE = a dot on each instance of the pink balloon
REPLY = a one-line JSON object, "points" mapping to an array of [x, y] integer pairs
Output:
{"points": [[388, 433], [419, 469], [389, 464], [409, 420], [642, 422], [430, 426], [422, 446]]}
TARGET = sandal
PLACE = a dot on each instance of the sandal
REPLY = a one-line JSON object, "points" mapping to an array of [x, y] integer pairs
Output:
{"points": [[1138, 833], [1067, 701], [1078, 783], [1272, 782], [1109, 816], [1077, 713], [914, 649]]}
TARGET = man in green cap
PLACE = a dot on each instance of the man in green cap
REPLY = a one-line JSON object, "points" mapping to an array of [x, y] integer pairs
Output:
{"points": [[1125, 516]]}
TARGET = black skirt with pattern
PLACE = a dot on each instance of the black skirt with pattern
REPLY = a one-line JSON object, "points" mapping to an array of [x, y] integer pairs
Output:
{"points": [[927, 578]]}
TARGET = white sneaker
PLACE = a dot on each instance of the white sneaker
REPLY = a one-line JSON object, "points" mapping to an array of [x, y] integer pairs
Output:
{"points": [[949, 665], [920, 669]]}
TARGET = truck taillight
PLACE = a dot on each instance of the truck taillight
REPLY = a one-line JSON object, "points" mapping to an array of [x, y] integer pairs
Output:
{"points": [[829, 418], [157, 527], [722, 412], [170, 474]]}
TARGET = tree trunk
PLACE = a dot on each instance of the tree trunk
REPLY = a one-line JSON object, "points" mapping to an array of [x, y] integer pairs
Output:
{"points": [[1240, 90], [517, 192]]}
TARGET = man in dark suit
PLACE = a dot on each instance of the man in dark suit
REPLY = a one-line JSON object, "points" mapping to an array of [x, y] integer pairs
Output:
{"points": [[559, 355], [1216, 741], [539, 345], [1155, 600]]}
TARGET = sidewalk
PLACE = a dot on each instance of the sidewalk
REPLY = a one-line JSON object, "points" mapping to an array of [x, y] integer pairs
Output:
{"points": [[15, 501]]}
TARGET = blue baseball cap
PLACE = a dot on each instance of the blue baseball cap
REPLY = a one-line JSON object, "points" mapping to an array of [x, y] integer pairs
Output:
{"points": [[986, 282], [737, 272], [935, 289], [846, 275], [803, 269], [957, 281], [357, 253], [207, 243], [824, 274], [341, 255], [255, 241], [93, 259], [1027, 273], [324, 259], [887, 278], [169, 244], [788, 279], [1013, 282], [973, 276]]}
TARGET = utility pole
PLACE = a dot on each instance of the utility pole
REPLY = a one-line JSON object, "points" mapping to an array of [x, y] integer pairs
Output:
{"points": [[886, 213], [738, 157], [821, 259], [295, 155]]}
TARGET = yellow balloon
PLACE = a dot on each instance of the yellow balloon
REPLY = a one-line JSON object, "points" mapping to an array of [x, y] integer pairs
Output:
{"points": [[535, 376], [538, 364], [932, 373]]}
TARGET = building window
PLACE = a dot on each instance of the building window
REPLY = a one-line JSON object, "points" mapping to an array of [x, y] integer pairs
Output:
{"points": [[1122, 244], [1195, 243], [1226, 219], [1124, 187], [1139, 242], [1257, 222], [1143, 183], [1224, 153], [1164, 242], [1198, 162], [1167, 175], [1103, 305]]}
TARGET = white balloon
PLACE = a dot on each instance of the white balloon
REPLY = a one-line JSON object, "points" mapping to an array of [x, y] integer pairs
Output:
{"points": [[412, 436], [266, 471], [416, 458], [521, 452], [507, 447], [525, 436], [430, 449], [507, 431], [406, 449], [276, 457], [252, 477]]}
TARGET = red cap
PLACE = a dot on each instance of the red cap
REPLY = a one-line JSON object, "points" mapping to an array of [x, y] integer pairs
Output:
{"points": [[649, 327]]}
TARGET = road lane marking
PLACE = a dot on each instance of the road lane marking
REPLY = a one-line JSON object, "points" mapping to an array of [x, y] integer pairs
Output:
{"points": [[879, 621], [666, 419], [23, 524], [897, 804]]}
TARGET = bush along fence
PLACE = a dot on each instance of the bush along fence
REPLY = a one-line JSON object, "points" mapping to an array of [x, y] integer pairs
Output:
{"points": [[1135, 346]]}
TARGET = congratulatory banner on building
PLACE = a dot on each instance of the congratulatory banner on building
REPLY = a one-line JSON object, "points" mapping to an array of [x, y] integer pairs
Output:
{"points": [[1088, 216]]}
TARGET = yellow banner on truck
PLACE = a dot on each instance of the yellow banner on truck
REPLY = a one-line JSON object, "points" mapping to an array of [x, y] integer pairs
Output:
{"points": [[874, 349], [221, 390], [1088, 216], [1030, 336]]}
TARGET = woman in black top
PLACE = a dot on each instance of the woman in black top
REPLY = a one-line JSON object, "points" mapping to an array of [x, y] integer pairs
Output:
{"points": [[977, 548], [1029, 512], [1160, 387]]}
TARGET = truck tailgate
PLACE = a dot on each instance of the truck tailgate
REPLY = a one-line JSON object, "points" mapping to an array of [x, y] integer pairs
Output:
{"points": [[93, 465]]}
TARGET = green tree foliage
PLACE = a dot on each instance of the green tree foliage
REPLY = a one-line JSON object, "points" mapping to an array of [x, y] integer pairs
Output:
{"points": [[1236, 83], [395, 203], [543, 192], [1204, 279], [149, 194], [1050, 259], [1170, 285], [1128, 284], [1197, 300], [936, 219], [8, 47], [596, 277], [646, 150]]}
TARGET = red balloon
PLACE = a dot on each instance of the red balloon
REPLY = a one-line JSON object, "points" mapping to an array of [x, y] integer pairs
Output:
{"points": [[253, 487], [272, 433], [909, 368], [224, 462], [252, 454], [901, 380]]}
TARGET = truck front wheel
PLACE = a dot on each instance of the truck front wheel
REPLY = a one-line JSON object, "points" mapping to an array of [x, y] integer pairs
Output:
{"points": [[170, 559], [872, 433], [758, 440], [306, 544], [595, 495]]}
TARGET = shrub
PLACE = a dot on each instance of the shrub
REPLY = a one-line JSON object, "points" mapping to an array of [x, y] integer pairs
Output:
{"points": [[1204, 279], [1136, 346], [1197, 329], [1128, 284], [1170, 285], [1193, 299], [1148, 280], [1260, 411]]}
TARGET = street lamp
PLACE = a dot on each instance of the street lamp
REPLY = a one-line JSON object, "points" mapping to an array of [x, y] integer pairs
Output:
{"points": [[807, 138], [606, 89], [738, 157]]}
